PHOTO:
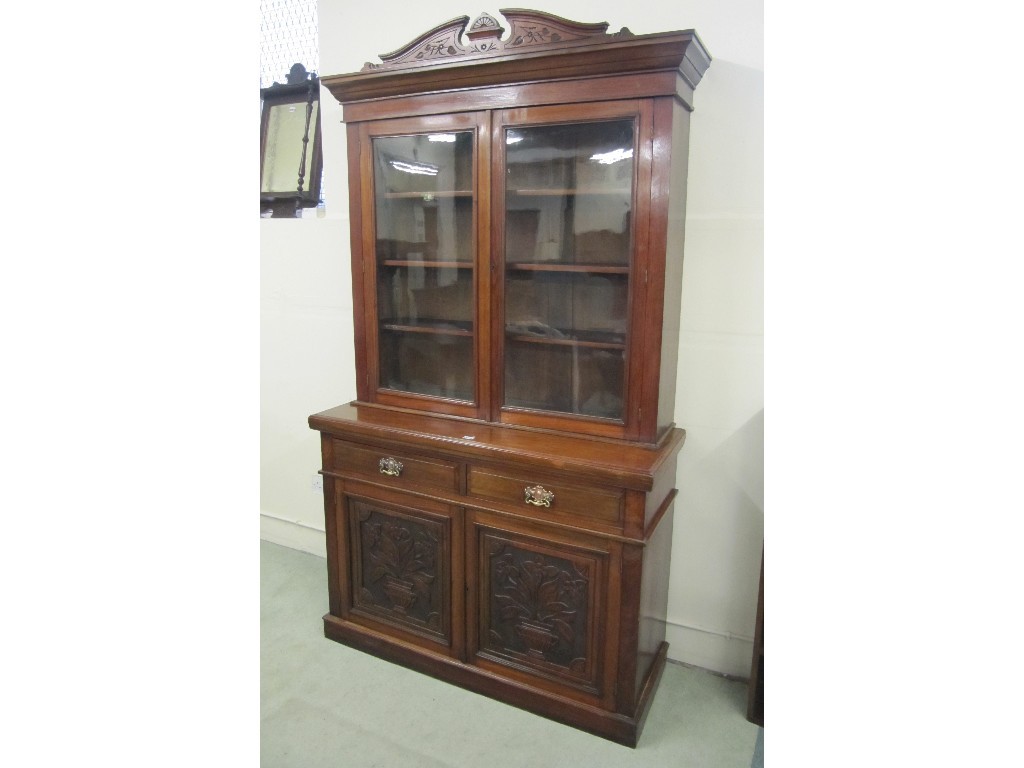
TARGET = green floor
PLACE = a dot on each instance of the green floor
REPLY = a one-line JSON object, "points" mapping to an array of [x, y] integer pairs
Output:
{"points": [[324, 704]]}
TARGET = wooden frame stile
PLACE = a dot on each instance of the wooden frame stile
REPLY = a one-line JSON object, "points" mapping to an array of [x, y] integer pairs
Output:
{"points": [[496, 262], [485, 267], [360, 199], [368, 248], [646, 299]]}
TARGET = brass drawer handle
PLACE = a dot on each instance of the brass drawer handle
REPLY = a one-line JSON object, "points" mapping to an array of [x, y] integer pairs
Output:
{"points": [[539, 496], [391, 467]]}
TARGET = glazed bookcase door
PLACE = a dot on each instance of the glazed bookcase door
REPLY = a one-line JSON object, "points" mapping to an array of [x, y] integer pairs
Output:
{"points": [[422, 278], [569, 211]]}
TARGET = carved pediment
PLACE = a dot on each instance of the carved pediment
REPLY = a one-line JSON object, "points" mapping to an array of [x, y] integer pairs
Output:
{"points": [[527, 30], [521, 46]]}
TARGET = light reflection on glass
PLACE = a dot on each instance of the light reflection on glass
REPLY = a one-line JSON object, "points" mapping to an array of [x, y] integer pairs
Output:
{"points": [[425, 170], [607, 158]]}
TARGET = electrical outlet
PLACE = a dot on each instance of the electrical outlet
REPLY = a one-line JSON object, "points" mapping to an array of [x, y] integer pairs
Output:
{"points": [[318, 483]]}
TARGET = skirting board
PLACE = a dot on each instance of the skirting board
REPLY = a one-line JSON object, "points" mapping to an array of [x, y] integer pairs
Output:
{"points": [[292, 534], [714, 651], [728, 655]]}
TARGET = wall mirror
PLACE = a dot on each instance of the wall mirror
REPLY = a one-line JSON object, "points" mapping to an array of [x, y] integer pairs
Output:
{"points": [[291, 157]]}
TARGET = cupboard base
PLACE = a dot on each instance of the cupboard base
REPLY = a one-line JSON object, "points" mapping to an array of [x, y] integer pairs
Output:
{"points": [[616, 727]]}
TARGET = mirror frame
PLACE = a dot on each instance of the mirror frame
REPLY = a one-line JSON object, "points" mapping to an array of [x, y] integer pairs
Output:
{"points": [[302, 88]]}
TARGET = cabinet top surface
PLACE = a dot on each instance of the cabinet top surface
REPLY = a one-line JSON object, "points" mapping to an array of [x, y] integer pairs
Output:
{"points": [[631, 464], [538, 46]]}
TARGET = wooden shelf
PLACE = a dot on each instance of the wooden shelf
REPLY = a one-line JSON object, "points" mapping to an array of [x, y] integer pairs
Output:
{"points": [[552, 266], [426, 263], [446, 193], [555, 192], [435, 327], [579, 339]]}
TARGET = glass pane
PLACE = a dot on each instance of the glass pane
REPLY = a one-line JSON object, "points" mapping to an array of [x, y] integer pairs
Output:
{"points": [[568, 200], [424, 233]]}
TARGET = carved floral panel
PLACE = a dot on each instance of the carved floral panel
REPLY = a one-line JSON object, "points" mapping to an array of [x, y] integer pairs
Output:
{"points": [[539, 609], [400, 568]]}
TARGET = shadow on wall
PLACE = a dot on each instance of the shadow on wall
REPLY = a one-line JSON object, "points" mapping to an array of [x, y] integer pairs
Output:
{"points": [[738, 463], [726, 173], [742, 459], [718, 536]]}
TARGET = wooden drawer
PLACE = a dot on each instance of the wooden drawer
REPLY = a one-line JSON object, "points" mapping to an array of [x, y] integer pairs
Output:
{"points": [[599, 505], [397, 469]]}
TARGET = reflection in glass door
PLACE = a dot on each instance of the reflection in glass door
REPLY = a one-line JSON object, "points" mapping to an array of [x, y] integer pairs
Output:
{"points": [[568, 206], [424, 248]]}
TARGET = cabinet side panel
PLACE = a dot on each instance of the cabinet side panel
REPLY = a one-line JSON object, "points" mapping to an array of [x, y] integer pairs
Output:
{"points": [[654, 596], [331, 531], [664, 483], [673, 261], [628, 669]]}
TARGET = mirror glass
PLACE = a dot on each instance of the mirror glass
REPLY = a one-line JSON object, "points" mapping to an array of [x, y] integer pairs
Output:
{"points": [[286, 125]]}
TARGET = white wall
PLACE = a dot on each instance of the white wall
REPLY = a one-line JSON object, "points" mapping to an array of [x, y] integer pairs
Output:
{"points": [[307, 352]]}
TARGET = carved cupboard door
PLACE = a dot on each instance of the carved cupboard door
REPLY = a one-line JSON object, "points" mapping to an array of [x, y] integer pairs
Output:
{"points": [[538, 604], [400, 567]]}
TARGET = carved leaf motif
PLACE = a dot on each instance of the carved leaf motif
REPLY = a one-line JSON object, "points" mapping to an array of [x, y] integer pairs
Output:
{"points": [[564, 631], [547, 594], [509, 608], [439, 47]]}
